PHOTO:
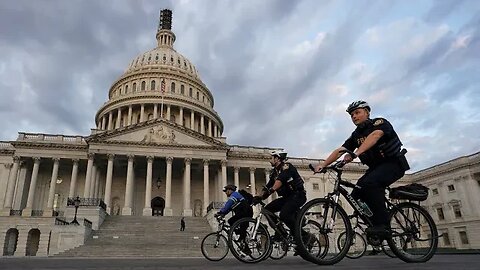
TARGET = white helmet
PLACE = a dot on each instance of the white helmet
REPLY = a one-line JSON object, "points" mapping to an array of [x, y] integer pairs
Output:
{"points": [[282, 155], [356, 105]]}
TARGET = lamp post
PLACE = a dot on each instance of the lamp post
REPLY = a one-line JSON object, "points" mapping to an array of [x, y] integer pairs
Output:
{"points": [[76, 203]]}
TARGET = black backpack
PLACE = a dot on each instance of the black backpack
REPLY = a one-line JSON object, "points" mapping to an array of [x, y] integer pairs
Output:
{"points": [[247, 196]]}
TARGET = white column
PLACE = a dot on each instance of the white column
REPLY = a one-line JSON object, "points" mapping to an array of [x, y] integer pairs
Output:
{"points": [[192, 120], [236, 178], [180, 121], [224, 178], [206, 183], [127, 209], [169, 117], [142, 112], [12, 180], [215, 132], [108, 183], [119, 118], [88, 175], [155, 111], [19, 187], [147, 210], [93, 181], [5, 175], [110, 120], [202, 124], [209, 128], [130, 111], [27, 212], [252, 180], [187, 210], [267, 178], [96, 191], [104, 120], [168, 188], [48, 212], [73, 179]]}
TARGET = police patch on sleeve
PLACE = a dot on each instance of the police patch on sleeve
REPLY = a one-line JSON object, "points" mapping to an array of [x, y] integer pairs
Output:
{"points": [[285, 166], [378, 122]]}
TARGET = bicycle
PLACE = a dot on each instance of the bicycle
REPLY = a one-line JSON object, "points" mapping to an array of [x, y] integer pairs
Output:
{"points": [[257, 244], [358, 246], [215, 245], [412, 237]]}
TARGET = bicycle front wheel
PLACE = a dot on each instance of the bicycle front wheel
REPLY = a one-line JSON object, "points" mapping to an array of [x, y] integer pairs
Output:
{"points": [[214, 246], [414, 233], [358, 247], [317, 220], [248, 244]]}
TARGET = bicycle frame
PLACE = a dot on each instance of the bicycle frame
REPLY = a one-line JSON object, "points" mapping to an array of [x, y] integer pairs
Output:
{"points": [[270, 219]]}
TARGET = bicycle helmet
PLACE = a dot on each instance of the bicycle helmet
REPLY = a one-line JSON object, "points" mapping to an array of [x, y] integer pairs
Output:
{"points": [[282, 155], [356, 105]]}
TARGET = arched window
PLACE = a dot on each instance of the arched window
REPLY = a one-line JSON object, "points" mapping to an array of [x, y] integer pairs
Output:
{"points": [[182, 89], [143, 85], [126, 89], [134, 87], [190, 92], [150, 116], [152, 86], [172, 88], [198, 96]]}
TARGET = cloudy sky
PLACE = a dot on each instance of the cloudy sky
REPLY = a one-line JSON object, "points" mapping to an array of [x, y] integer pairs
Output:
{"points": [[281, 72]]}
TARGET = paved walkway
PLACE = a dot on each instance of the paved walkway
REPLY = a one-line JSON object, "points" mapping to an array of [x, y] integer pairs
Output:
{"points": [[466, 262]]}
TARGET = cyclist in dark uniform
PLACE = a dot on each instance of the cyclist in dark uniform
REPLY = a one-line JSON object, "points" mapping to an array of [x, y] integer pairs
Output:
{"points": [[287, 182], [377, 145]]}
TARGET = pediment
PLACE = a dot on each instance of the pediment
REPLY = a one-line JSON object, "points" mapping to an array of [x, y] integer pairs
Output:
{"points": [[157, 133]]}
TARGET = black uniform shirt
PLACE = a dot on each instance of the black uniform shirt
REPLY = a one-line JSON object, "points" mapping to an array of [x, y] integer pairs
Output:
{"points": [[381, 149], [290, 178]]}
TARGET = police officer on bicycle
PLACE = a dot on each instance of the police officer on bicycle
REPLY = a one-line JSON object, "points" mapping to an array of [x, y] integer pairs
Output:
{"points": [[287, 182], [378, 146]]}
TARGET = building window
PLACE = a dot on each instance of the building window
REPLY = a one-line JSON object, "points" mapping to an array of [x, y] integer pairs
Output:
{"points": [[440, 214], [203, 99], [463, 237], [182, 89], [152, 86], [198, 96], [457, 211], [126, 89], [190, 92], [435, 191], [446, 239], [134, 87], [316, 186], [143, 86], [172, 87], [150, 116], [451, 188]]}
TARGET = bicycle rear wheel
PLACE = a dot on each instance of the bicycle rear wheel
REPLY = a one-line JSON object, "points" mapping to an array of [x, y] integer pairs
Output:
{"points": [[317, 219], [246, 244], [358, 247], [214, 246], [414, 233]]}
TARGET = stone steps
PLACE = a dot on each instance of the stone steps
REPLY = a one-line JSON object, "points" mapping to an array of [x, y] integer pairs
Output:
{"points": [[132, 236]]}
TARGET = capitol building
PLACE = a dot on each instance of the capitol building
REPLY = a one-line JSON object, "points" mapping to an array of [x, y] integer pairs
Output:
{"points": [[158, 150]]}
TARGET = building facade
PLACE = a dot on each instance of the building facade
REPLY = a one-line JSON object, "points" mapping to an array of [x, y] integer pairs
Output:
{"points": [[158, 149]]}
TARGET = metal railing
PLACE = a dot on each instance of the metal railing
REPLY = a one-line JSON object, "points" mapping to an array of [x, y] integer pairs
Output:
{"points": [[215, 205], [15, 212], [61, 222], [87, 202], [37, 213], [87, 223]]}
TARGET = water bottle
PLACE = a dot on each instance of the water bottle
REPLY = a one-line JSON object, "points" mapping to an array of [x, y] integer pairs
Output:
{"points": [[364, 208]]}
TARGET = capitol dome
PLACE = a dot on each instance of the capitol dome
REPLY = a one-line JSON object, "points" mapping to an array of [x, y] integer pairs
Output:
{"points": [[160, 83]]}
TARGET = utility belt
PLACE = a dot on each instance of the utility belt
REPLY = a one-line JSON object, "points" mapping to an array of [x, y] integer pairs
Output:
{"points": [[373, 159]]}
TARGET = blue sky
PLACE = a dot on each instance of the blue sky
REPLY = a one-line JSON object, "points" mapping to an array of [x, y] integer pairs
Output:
{"points": [[281, 72]]}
